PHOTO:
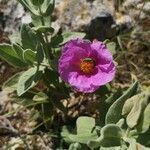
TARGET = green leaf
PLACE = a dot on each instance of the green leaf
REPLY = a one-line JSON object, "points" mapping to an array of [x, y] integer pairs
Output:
{"points": [[47, 7], [8, 54], [18, 49], [85, 125], [111, 135], [29, 6], [113, 97], [85, 132], [141, 147], [40, 53], [37, 2], [75, 146], [11, 84], [144, 123], [67, 36], [65, 134], [36, 20], [15, 38], [136, 146], [27, 102], [132, 143], [112, 47], [28, 37], [40, 97], [29, 56], [144, 138], [114, 112], [44, 29], [29, 79], [59, 40], [128, 105], [141, 101], [111, 148]]}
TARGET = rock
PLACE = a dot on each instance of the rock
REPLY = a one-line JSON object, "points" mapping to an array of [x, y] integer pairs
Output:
{"points": [[93, 17], [139, 17], [13, 15]]}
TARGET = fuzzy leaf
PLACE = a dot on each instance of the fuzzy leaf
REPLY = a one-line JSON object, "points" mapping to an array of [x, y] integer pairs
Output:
{"points": [[144, 124], [29, 6], [111, 135], [114, 112], [48, 7], [40, 53], [71, 35], [11, 84], [29, 79], [44, 29], [8, 54], [139, 105], [75, 146], [37, 2], [29, 56], [110, 148], [85, 131], [85, 125], [18, 49], [36, 20], [128, 105], [40, 97], [112, 47], [28, 37], [65, 37]]}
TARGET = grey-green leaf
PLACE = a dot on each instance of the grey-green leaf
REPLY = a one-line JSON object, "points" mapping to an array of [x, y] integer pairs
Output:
{"points": [[114, 112], [29, 79], [85, 125], [111, 148], [67, 36], [36, 20], [75, 146], [29, 6], [44, 29], [28, 37], [40, 97], [37, 2], [144, 123], [85, 131], [40, 53], [8, 54], [141, 101], [11, 84], [128, 105], [110, 136], [18, 49], [48, 7], [59, 40], [29, 56], [112, 47]]}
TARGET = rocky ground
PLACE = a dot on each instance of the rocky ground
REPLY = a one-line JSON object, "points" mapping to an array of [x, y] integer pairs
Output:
{"points": [[124, 21]]}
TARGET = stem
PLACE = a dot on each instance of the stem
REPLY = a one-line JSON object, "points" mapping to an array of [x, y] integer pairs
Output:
{"points": [[47, 49]]}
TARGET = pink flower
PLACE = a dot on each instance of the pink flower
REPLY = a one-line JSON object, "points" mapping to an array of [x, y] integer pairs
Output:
{"points": [[86, 66]]}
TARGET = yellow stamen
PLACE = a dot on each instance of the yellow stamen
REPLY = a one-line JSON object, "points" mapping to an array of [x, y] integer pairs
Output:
{"points": [[87, 65]]}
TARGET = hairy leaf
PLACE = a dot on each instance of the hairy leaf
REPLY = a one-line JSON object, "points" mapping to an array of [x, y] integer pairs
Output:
{"points": [[9, 54], [114, 112]]}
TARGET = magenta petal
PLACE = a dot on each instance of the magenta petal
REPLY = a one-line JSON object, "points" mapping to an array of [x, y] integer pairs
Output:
{"points": [[69, 65]]}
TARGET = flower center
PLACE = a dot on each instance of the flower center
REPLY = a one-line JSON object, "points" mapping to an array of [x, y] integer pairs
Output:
{"points": [[87, 65]]}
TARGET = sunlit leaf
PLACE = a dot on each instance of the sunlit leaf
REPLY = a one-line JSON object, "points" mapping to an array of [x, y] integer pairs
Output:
{"points": [[11, 84], [29, 79], [115, 111], [8, 54]]}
